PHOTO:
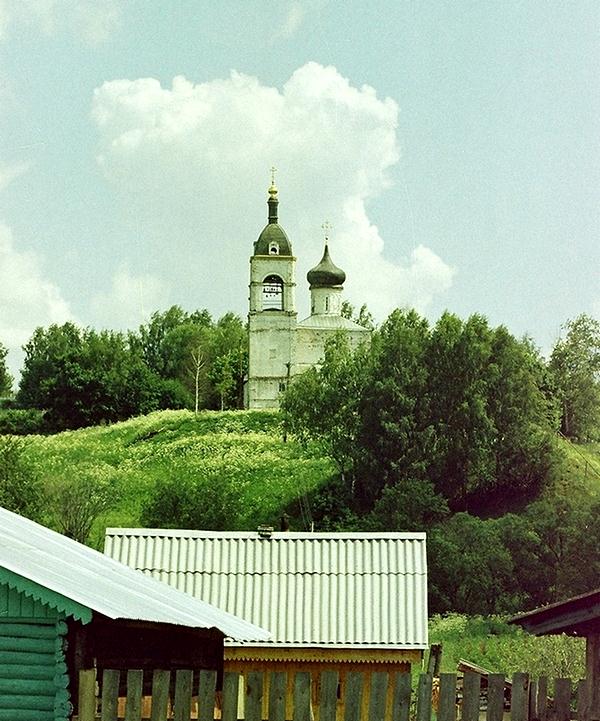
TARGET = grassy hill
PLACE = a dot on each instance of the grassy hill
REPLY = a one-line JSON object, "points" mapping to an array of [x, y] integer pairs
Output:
{"points": [[241, 449]]}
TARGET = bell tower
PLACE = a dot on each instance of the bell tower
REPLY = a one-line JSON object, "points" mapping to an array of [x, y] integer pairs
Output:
{"points": [[272, 314]]}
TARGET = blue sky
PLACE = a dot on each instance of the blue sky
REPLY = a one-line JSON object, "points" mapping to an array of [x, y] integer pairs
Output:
{"points": [[452, 145]]}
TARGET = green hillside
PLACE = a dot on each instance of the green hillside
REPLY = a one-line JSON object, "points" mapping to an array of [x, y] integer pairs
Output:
{"points": [[239, 453]]}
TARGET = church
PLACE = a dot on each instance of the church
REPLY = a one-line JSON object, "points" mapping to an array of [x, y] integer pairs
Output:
{"points": [[280, 346]]}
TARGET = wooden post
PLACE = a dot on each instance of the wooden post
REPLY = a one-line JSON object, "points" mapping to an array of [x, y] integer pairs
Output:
{"points": [[206, 695], [182, 707], [424, 697], [401, 702], [133, 703], [87, 695], [277, 687], [584, 697], [519, 703], [328, 696], [254, 696], [161, 681], [592, 669], [562, 699], [495, 700], [110, 694], [447, 703], [302, 695], [542, 699], [471, 696]]}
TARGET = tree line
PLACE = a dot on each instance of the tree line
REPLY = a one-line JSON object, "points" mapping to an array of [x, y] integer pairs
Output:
{"points": [[80, 377], [451, 428]]}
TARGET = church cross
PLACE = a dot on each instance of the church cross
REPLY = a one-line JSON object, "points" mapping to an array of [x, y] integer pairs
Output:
{"points": [[273, 171], [326, 228]]}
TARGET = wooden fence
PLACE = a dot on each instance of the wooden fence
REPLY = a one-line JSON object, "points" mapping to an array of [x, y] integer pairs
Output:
{"points": [[185, 696]]}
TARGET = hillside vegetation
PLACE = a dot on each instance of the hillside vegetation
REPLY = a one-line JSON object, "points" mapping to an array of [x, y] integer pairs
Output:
{"points": [[228, 470]]}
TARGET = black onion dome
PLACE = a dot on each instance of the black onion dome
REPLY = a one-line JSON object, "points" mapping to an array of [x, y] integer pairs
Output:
{"points": [[326, 274]]}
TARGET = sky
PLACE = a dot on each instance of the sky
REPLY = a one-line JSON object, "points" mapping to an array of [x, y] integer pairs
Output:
{"points": [[452, 146]]}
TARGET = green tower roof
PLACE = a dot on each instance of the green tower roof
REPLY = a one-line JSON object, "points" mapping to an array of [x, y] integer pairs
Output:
{"points": [[273, 232]]}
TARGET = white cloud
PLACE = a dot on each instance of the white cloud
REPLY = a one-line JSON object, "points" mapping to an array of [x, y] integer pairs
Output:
{"points": [[296, 12], [27, 299], [92, 20], [191, 162], [9, 172], [130, 301]]}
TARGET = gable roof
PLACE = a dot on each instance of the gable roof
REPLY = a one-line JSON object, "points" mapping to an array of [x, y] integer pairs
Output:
{"points": [[575, 616], [76, 579], [342, 590]]}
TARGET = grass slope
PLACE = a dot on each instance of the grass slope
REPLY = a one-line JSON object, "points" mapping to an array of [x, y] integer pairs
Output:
{"points": [[243, 448]]}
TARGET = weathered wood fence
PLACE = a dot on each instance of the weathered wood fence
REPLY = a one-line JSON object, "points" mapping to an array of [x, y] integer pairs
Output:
{"points": [[184, 696]]}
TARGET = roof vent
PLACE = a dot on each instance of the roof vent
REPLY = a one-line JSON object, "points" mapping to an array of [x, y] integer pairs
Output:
{"points": [[265, 531]]}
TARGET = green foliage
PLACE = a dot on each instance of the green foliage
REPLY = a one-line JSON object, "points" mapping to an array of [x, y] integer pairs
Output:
{"points": [[499, 647], [460, 404], [84, 377], [575, 365], [174, 454], [76, 499], [20, 487], [6, 380], [21, 422]]}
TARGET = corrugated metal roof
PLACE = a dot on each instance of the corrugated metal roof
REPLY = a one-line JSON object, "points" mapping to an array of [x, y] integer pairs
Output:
{"points": [[101, 584], [353, 590]]}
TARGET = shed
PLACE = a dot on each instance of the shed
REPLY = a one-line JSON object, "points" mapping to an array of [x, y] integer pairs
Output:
{"points": [[343, 601], [66, 607], [576, 616]]}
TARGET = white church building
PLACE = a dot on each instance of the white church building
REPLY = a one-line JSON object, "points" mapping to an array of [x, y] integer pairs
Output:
{"points": [[281, 346]]}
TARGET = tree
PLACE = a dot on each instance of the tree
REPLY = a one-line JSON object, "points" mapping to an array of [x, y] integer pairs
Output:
{"points": [[6, 380], [76, 501], [575, 365], [322, 404], [20, 487]]}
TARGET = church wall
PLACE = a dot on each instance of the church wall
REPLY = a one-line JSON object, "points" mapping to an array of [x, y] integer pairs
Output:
{"points": [[310, 345]]}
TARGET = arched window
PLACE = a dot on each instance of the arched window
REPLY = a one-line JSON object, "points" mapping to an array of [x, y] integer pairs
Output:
{"points": [[272, 293], [273, 248]]}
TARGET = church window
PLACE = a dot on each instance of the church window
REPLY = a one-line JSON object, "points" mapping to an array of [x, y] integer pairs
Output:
{"points": [[326, 302], [272, 293], [273, 248]]}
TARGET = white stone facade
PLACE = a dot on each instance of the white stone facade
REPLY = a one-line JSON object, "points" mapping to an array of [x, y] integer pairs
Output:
{"points": [[280, 347]]}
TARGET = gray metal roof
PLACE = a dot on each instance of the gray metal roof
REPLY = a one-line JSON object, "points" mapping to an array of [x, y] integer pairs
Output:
{"points": [[101, 584], [328, 322], [350, 590]]}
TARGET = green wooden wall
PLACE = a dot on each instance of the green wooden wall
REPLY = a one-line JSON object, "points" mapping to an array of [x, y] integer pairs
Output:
{"points": [[33, 671]]}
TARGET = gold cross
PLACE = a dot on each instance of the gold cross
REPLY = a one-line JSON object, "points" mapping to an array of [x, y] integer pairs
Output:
{"points": [[327, 227]]}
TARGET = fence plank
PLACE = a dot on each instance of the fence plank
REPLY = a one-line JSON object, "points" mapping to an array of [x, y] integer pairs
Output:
{"points": [[495, 699], [231, 682], [447, 699], [584, 700], [532, 713], [471, 694], [110, 694], [520, 697], [87, 695], [182, 706], [206, 695], [133, 703], [562, 699], [379, 684], [254, 696], [424, 697], [542, 700], [160, 695], [277, 687], [353, 699], [302, 697], [328, 696], [402, 693]]}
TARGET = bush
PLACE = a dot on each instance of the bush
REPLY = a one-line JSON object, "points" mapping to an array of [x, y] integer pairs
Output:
{"points": [[22, 422]]}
